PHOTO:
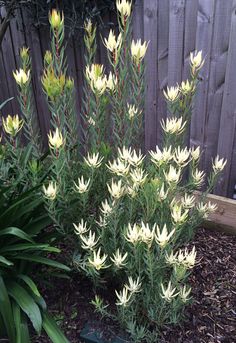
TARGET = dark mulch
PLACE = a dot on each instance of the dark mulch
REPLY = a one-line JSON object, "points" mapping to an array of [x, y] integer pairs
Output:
{"points": [[210, 319]]}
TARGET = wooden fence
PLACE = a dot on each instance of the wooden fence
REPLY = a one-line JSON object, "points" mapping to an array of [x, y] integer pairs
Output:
{"points": [[174, 29]]}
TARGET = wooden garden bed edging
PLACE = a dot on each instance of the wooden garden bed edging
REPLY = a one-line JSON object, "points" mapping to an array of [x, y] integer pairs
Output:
{"points": [[224, 218]]}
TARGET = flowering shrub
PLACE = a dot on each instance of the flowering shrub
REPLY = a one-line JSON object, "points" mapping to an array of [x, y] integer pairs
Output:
{"points": [[133, 214]]}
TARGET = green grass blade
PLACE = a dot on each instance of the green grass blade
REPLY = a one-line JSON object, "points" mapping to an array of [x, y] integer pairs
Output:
{"points": [[52, 330], [6, 311]]}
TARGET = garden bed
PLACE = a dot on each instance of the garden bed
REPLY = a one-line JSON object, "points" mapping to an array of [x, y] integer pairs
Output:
{"points": [[210, 319]]}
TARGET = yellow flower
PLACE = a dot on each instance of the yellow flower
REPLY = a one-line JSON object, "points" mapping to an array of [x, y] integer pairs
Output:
{"points": [[112, 43], [172, 93], [163, 237], [83, 185], [94, 71], [88, 26], [48, 57], [93, 161], [98, 261], [218, 164], [55, 139], [147, 234], [50, 192], [196, 61], [12, 125], [53, 85], [24, 53], [124, 7], [138, 50], [21, 76], [56, 19]]}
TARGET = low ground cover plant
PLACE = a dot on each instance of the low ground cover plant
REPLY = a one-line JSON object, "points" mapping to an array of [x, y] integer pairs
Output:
{"points": [[127, 215]]}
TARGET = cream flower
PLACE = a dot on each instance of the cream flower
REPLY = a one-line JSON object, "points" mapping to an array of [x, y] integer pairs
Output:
{"points": [[56, 19], [196, 61], [158, 156], [111, 82], [21, 76], [179, 214], [162, 193], [181, 156], [50, 192], [125, 153], [55, 139], [136, 158], [174, 125], [133, 234], [12, 125], [94, 71], [98, 261], [187, 87], [172, 94], [118, 167], [123, 297], [211, 207], [81, 228], [106, 208], [138, 176], [94, 160], [173, 175], [146, 234], [124, 7], [83, 185], [116, 189], [119, 259], [172, 258], [188, 201], [184, 293], [138, 50], [162, 237], [218, 164], [169, 293], [132, 111], [198, 177], [89, 242], [99, 85], [133, 286], [195, 153], [113, 44]]}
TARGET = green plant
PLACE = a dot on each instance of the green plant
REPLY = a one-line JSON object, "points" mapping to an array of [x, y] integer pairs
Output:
{"points": [[22, 248]]}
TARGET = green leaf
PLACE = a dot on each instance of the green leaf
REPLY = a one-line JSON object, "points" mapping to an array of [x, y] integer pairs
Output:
{"points": [[52, 330], [5, 102], [6, 311], [27, 304], [3, 260], [29, 246], [42, 260], [14, 231], [29, 282], [17, 320]]}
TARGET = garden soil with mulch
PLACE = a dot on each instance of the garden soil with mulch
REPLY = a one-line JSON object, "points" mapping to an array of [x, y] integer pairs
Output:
{"points": [[211, 318]]}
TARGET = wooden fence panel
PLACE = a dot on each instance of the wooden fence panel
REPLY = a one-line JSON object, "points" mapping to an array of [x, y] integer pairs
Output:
{"points": [[174, 28]]}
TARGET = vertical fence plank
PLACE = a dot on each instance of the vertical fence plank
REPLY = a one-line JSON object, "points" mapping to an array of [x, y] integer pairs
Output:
{"points": [[138, 20], [228, 115], [162, 75], [150, 34], [176, 40], [203, 43], [219, 54]]}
